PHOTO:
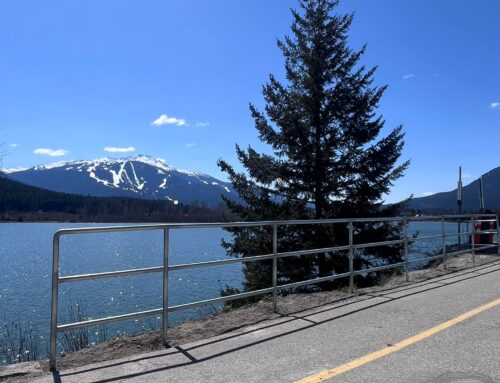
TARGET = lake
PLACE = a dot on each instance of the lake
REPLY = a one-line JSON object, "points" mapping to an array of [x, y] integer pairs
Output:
{"points": [[25, 273]]}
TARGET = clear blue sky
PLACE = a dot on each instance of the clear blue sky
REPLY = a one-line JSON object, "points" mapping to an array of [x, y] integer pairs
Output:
{"points": [[79, 76]]}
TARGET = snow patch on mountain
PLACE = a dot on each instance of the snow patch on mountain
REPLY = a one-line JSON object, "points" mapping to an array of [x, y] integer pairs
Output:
{"points": [[139, 176], [117, 176], [12, 170], [51, 166], [176, 202], [156, 162]]}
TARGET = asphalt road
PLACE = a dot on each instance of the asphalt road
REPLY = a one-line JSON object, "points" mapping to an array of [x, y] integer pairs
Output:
{"points": [[294, 348]]}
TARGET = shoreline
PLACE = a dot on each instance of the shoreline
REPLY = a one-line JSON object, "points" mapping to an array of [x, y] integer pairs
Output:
{"points": [[238, 321], [251, 314]]}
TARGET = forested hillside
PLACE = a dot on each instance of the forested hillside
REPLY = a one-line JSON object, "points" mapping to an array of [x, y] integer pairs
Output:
{"points": [[20, 202], [447, 201]]}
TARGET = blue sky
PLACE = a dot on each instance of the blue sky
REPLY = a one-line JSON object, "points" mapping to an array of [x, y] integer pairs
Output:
{"points": [[77, 77]]}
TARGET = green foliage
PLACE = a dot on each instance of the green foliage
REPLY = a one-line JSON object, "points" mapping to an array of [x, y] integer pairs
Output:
{"points": [[236, 303], [230, 305], [327, 159]]}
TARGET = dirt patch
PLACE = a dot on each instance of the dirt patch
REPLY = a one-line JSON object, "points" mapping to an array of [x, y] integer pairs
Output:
{"points": [[224, 322]]}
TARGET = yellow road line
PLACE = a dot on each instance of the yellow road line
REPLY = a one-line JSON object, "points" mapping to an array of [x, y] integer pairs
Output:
{"points": [[327, 374]]}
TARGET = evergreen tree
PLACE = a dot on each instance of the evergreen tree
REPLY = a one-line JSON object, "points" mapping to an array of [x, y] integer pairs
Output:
{"points": [[327, 161]]}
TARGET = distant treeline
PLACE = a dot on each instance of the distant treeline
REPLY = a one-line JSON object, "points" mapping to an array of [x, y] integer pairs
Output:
{"points": [[411, 212], [20, 202]]}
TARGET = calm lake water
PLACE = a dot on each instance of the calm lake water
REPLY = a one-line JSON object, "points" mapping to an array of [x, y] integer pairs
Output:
{"points": [[25, 273]]}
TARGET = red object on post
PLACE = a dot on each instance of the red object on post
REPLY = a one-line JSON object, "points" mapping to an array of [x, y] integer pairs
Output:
{"points": [[484, 238]]}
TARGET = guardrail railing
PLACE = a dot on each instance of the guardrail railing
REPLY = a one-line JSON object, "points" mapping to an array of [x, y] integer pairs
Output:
{"points": [[274, 256]]}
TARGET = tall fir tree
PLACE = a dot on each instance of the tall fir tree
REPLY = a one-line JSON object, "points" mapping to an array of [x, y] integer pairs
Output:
{"points": [[327, 161]]}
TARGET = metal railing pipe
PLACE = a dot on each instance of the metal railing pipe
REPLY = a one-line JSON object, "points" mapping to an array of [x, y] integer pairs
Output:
{"points": [[485, 220], [228, 298], [498, 235], [115, 318], [455, 234], [55, 298], [166, 240], [485, 247], [275, 266], [109, 229], [428, 258], [109, 274], [219, 262], [427, 237], [166, 268], [379, 268], [459, 252], [405, 232], [469, 233], [491, 231], [377, 244], [313, 281], [443, 233], [473, 241], [447, 217], [88, 230], [298, 253], [351, 258]]}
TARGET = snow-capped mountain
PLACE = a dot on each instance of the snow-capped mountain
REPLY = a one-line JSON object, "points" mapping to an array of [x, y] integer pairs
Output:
{"points": [[12, 170], [139, 176]]}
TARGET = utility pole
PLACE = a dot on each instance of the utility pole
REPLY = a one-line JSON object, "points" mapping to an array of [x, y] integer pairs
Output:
{"points": [[481, 195], [459, 203]]}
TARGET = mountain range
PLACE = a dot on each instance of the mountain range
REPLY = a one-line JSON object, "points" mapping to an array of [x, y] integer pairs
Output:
{"points": [[470, 196], [151, 178], [140, 176]]}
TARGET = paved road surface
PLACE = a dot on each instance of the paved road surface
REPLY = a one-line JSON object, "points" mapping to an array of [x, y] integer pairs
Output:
{"points": [[294, 348]]}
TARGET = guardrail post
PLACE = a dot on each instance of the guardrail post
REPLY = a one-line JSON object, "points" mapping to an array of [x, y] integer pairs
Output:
{"points": [[468, 232], [473, 241], [165, 285], [53, 308], [498, 235], [275, 266], [351, 258], [405, 224], [459, 234], [443, 234]]}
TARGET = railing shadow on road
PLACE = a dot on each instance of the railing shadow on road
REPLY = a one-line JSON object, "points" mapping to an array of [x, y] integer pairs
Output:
{"points": [[56, 376], [444, 281]]}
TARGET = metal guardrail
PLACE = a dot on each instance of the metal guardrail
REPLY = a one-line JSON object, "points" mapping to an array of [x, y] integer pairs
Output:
{"points": [[166, 267]]}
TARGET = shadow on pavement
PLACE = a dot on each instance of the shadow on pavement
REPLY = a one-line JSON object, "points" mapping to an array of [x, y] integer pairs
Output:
{"points": [[301, 315]]}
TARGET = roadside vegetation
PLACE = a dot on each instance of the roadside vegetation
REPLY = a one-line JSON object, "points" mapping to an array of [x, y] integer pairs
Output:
{"points": [[21, 341]]}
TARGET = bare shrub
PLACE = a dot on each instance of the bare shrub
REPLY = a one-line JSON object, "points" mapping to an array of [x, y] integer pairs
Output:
{"points": [[19, 342]]}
